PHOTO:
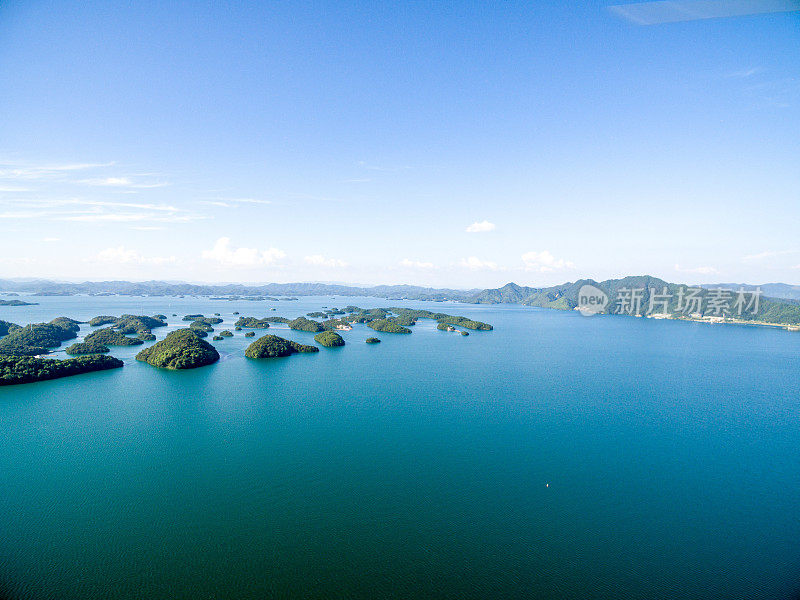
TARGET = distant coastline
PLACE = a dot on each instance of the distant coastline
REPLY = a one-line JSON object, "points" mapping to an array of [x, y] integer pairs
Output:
{"points": [[781, 309]]}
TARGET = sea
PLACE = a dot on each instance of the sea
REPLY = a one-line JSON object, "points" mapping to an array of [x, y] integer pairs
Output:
{"points": [[557, 456]]}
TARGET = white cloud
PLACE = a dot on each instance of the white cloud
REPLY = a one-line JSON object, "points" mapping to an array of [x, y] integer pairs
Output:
{"points": [[109, 181], [415, 264], [321, 261], [122, 255], [228, 202], [481, 227], [51, 239], [697, 270], [545, 262], [129, 217], [474, 263], [223, 253], [120, 182], [767, 254]]}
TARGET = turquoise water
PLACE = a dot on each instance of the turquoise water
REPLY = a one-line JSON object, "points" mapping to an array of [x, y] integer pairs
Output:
{"points": [[555, 457]]}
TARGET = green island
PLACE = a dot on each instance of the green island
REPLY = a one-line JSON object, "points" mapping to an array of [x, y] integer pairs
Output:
{"points": [[38, 338], [372, 340], [303, 324], [218, 338], [16, 303], [317, 315], [25, 369], [139, 325], [109, 336], [252, 323], [86, 348], [272, 346], [250, 334], [6, 327], [226, 333], [387, 326], [102, 320], [200, 326], [181, 349], [329, 339], [202, 319]]}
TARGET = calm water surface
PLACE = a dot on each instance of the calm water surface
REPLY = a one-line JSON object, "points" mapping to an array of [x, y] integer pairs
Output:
{"points": [[554, 457]]}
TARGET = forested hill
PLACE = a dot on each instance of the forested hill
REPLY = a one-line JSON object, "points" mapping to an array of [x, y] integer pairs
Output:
{"points": [[565, 297], [166, 288]]}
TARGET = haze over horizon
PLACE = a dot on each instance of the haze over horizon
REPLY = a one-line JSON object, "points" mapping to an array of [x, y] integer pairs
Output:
{"points": [[460, 146]]}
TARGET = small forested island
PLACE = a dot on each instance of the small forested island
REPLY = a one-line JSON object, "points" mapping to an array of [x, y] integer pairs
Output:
{"points": [[25, 369], [252, 323], [329, 339], [139, 325], [87, 348], [387, 326], [38, 338], [181, 349], [303, 324], [102, 320], [16, 303], [21, 347], [272, 346], [111, 337], [202, 319], [6, 327], [200, 326]]}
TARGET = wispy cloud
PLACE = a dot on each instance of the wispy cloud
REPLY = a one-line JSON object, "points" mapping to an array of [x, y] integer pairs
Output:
{"points": [[416, 264], [122, 182], [121, 255], [545, 262], [481, 227], [474, 263], [82, 210], [696, 270], [226, 255], [29, 172], [744, 73], [321, 261], [768, 254], [675, 11], [229, 202]]}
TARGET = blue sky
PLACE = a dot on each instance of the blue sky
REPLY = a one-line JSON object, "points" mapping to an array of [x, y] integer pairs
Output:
{"points": [[446, 144]]}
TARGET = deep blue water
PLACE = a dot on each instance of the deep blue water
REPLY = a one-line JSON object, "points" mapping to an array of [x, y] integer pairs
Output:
{"points": [[557, 456]]}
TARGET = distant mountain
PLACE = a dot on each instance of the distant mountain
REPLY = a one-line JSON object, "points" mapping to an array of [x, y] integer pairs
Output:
{"points": [[162, 288], [565, 297], [773, 290]]}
